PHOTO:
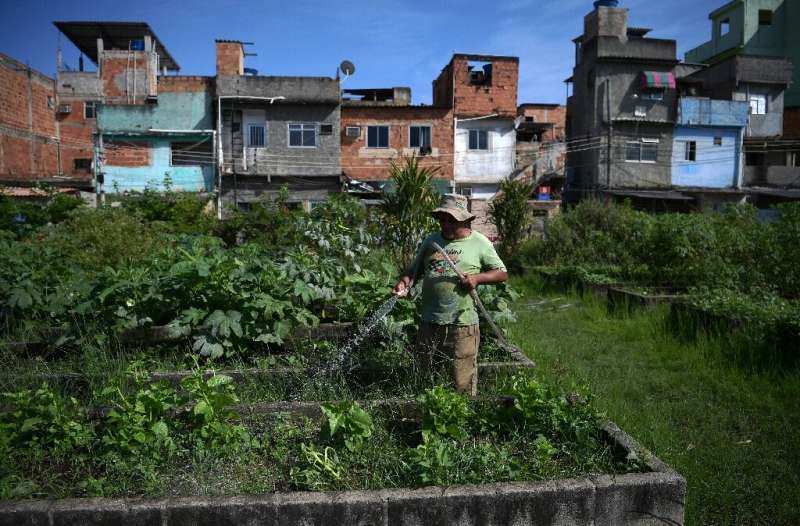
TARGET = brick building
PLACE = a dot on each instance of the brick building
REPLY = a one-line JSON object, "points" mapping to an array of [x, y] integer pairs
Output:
{"points": [[541, 144], [380, 126], [29, 143], [129, 60]]}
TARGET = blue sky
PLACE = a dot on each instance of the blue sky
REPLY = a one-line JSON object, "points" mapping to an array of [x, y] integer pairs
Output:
{"points": [[391, 43]]}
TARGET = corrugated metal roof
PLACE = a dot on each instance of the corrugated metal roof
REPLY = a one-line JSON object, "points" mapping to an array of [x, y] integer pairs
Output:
{"points": [[115, 35]]}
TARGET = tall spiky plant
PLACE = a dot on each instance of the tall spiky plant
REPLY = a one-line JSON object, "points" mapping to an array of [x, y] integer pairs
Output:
{"points": [[407, 210]]}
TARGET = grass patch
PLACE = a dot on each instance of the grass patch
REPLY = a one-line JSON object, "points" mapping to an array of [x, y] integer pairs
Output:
{"points": [[729, 427]]}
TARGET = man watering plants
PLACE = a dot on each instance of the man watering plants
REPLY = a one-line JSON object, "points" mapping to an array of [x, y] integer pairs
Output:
{"points": [[449, 326]]}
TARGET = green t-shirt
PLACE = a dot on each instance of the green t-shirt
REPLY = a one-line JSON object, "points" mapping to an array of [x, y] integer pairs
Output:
{"points": [[444, 300]]}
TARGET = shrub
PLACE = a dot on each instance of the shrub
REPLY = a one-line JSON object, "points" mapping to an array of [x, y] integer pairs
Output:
{"points": [[511, 215]]}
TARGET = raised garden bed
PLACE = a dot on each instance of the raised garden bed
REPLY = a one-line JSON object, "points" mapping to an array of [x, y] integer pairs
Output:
{"points": [[656, 495], [630, 298], [151, 336]]}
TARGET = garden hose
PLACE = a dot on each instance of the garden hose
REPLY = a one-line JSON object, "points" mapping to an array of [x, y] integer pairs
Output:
{"points": [[514, 351]]}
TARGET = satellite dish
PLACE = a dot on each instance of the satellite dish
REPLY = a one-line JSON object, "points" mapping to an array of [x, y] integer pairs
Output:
{"points": [[347, 68]]}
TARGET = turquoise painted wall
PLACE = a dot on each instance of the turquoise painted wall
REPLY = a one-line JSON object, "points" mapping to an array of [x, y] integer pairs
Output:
{"points": [[183, 178], [174, 111]]}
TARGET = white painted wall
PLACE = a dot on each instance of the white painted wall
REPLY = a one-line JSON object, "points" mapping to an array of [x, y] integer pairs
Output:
{"points": [[489, 166]]}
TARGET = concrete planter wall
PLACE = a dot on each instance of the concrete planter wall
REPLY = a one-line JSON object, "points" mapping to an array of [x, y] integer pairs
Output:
{"points": [[654, 498]]}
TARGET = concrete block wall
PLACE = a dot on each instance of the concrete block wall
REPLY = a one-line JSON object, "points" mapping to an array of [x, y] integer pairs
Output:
{"points": [[372, 164]]}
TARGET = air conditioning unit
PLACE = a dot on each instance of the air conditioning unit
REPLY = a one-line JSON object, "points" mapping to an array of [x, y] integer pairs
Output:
{"points": [[353, 132], [65, 108], [326, 129]]}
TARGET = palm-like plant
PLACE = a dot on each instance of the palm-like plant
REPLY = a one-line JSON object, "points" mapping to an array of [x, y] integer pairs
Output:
{"points": [[407, 211]]}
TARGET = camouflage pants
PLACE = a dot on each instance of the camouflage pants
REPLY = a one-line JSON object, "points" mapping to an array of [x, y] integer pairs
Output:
{"points": [[437, 344]]}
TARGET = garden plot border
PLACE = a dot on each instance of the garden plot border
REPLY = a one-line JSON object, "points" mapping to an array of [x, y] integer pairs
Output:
{"points": [[656, 497], [165, 334], [620, 297]]}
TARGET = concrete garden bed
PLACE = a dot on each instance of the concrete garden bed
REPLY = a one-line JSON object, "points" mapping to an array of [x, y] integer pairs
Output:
{"points": [[656, 496], [625, 298], [165, 334]]}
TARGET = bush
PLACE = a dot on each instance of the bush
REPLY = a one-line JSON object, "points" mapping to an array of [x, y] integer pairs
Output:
{"points": [[511, 215]]}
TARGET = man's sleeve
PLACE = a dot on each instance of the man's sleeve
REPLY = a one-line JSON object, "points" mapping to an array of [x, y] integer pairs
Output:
{"points": [[490, 260]]}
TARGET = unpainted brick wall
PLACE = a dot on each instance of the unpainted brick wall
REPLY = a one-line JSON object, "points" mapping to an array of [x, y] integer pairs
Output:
{"points": [[230, 58], [128, 154], [77, 140], [114, 68], [374, 164], [548, 114], [185, 84], [28, 147], [498, 97]]}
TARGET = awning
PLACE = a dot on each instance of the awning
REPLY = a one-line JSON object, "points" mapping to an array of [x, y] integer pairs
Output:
{"points": [[657, 80]]}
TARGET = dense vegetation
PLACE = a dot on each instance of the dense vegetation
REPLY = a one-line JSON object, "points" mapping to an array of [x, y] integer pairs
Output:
{"points": [[237, 293], [731, 264]]}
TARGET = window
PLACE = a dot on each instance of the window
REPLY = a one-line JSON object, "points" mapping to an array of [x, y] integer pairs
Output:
{"points": [[302, 135], [690, 151], [480, 73], [764, 17], [419, 137], [724, 27], [793, 159], [326, 129], [642, 151], [466, 191], [377, 136], [754, 158], [51, 103], [256, 136], [478, 139], [717, 141], [82, 164], [530, 119], [191, 153], [89, 109], [758, 104]]}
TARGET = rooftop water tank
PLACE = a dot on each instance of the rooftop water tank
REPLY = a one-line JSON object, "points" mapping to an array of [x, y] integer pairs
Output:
{"points": [[606, 3]]}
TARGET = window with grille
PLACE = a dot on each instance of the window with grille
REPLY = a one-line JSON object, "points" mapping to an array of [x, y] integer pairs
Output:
{"points": [[196, 153], [377, 136], [478, 139], [302, 135], [420, 137], [256, 136]]}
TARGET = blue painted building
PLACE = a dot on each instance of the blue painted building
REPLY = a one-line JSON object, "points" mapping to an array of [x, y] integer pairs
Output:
{"points": [[165, 143], [707, 143]]}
